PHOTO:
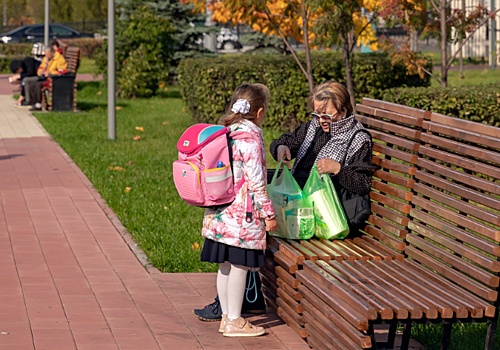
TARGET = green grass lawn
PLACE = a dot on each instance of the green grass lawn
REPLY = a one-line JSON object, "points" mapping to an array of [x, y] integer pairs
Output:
{"points": [[471, 77], [160, 222], [87, 65]]}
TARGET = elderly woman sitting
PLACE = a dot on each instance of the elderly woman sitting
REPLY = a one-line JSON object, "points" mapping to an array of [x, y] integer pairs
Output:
{"points": [[323, 141]]}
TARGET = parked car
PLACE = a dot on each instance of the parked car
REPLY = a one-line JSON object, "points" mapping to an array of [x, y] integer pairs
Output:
{"points": [[35, 33], [227, 39]]}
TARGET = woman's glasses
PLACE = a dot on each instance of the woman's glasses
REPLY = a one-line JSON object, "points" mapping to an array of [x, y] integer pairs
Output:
{"points": [[326, 117]]}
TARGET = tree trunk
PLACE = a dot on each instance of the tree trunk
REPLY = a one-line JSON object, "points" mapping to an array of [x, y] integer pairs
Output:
{"points": [[461, 54], [307, 48], [444, 68], [346, 52]]}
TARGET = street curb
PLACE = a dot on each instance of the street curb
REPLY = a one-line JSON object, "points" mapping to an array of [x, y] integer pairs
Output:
{"points": [[134, 247]]}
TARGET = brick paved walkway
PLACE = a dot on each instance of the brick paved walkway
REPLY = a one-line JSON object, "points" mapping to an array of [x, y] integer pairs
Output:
{"points": [[69, 276]]}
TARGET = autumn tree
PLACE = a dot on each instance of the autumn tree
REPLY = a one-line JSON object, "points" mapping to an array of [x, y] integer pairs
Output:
{"points": [[438, 19]]}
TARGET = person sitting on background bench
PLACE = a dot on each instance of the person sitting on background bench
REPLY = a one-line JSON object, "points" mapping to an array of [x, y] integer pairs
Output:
{"points": [[24, 70], [55, 45], [54, 63]]}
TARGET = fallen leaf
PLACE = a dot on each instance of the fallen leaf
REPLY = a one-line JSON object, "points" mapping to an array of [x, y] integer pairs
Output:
{"points": [[162, 85], [137, 137], [165, 208], [140, 128], [152, 106], [99, 92], [376, 153], [161, 102], [166, 89], [127, 189], [164, 123], [118, 168], [111, 176], [131, 163], [118, 108], [199, 270], [184, 109]]}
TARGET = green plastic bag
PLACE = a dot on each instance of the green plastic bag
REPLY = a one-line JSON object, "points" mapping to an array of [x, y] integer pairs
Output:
{"points": [[331, 222], [294, 213]]}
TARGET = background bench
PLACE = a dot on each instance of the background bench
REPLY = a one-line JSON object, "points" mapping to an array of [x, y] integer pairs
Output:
{"points": [[60, 95], [429, 252]]}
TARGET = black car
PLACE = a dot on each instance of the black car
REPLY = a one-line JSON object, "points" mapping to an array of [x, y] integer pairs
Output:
{"points": [[35, 33]]}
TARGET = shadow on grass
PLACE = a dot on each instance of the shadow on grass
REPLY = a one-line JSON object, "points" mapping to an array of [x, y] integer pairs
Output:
{"points": [[88, 106], [171, 93]]}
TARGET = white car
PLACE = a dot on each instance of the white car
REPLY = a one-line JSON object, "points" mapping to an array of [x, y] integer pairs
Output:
{"points": [[227, 39]]}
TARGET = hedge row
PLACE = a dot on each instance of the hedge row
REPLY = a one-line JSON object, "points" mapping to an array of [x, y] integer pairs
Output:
{"points": [[479, 103], [16, 49], [208, 83], [87, 45]]}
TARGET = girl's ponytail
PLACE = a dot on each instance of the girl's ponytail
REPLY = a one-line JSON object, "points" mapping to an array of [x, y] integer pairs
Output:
{"points": [[258, 97]]}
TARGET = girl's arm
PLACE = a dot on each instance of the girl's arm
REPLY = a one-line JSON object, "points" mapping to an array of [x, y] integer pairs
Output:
{"points": [[256, 178], [293, 140], [357, 180]]}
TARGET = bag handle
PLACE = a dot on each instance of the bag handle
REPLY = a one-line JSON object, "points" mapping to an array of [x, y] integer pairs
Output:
{"points": [[275, 176]]}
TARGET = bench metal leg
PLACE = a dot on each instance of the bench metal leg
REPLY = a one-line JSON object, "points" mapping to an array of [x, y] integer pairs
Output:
{"points": [[405, 341], [445, 341], [491, 333], [391, 337], [371, 333]]}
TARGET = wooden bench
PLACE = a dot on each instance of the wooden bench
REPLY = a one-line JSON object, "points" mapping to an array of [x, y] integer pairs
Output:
{"points": [[60, 95], [429, 253]]}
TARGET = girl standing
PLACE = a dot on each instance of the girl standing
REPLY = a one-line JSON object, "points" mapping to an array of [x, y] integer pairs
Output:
{"points": [[233, 239]]}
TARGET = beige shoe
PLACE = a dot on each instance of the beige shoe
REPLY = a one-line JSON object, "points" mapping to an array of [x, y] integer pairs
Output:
{"points": [[242, 328], [222, 324]]}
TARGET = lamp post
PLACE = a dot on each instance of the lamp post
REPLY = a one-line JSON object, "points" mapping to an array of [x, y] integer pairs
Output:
{"points": [[493, 37], [46, 26], [111, 71]]}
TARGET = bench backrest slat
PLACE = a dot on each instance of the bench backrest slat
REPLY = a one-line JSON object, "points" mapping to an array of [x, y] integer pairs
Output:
{"points": [[448, 170]]}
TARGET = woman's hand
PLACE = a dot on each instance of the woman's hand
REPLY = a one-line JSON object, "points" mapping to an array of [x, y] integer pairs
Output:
{"points": [[327, 166], [284, 153], [271, 224]]}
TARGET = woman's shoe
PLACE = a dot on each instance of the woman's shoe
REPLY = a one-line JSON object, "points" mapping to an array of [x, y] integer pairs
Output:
{"points": [[242, 328], [222, 324]]}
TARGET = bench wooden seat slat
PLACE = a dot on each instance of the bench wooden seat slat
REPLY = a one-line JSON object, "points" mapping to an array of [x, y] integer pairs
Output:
{"points": [[352, 316], [458, 233], [460, 161], [394, 107], [457, 204], [385, 237], [361, 250], [286, 277], [393, 178], [464, 178], [450, 273], [295, 316], [336, 324], [303, 250], [461, 191], [390, 165], [285, 262], [334, 254], [390, 202], [387, 226], [288, 290], [371, 249], [465, 125], [321, 340], [461, 220], [416, 311], [448, 258], [391, 190], [458, 147], [289, 251], [328, 331], [382, 308], [321, 254], [478, 303], [395, 153], [462, 134], [358, 252], [421, 300], [381, 247], [399, 310], [388, 127], [294, 305], [445, 305], [442, 287], [397, 117], [290, 322], [395, 140], [342, 249]]}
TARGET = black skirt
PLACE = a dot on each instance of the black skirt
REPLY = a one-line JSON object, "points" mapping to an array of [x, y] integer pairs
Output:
{"points": [[216, 252]]}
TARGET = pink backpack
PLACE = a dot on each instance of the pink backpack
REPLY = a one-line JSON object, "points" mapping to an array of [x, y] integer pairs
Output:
{"points": [[203, 174]]}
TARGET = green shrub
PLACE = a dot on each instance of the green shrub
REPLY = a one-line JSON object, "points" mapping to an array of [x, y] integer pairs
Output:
{"points": [[207, 84], [480, 103], [144, 46], [5, 62], [87, 45], [21, 50]]}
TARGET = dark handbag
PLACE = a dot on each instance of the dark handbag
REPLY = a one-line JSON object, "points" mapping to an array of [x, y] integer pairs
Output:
{"points": [[357, 207]]}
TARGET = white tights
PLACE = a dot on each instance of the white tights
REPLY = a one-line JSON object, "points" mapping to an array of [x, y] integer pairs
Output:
{"points": [[231, 283]]}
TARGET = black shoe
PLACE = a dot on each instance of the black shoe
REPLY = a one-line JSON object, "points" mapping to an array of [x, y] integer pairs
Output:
{"points": [[210, 313], [253, 304]]}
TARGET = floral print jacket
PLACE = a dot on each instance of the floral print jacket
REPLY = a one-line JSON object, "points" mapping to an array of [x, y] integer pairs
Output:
{"points": [[228, 225]]}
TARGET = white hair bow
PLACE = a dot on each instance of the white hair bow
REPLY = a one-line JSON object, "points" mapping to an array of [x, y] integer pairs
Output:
{"points": [[241, 106]]}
